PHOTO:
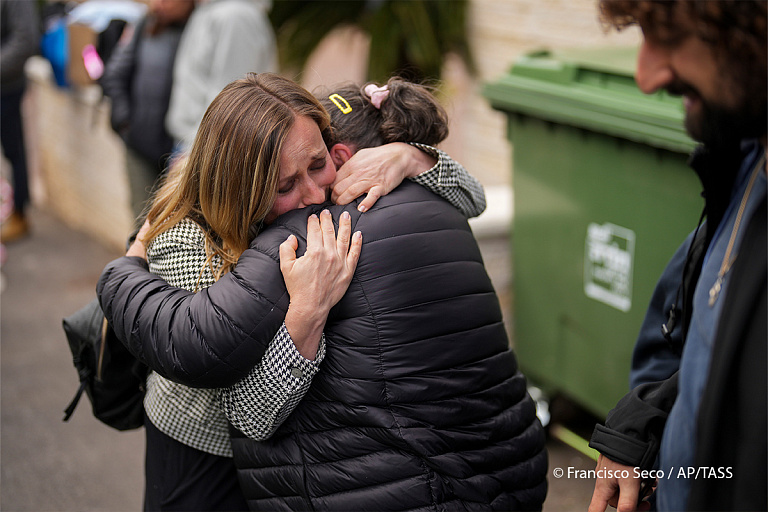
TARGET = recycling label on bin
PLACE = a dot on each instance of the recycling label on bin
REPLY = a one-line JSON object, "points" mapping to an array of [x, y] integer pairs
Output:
{"points": [[608, 262]]}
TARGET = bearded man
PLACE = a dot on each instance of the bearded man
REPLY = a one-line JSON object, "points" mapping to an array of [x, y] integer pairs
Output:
{"points": [[694, 425]]}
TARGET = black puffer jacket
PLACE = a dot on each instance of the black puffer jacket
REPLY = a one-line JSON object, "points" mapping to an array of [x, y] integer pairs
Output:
{"points": [[419, 404]]}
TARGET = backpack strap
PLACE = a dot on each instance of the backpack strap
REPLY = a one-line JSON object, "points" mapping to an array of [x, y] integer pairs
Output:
{"points": [[73, 404]]}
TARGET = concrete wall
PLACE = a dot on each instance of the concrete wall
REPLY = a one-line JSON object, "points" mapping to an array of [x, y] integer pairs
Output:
{"points": [[78, 163]]}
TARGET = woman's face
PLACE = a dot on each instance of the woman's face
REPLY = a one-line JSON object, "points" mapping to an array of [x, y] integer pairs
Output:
{"points": [[306, 170]]}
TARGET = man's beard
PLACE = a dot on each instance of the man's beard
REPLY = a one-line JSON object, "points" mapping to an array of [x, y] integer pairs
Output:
{"points": [[718, 126]]}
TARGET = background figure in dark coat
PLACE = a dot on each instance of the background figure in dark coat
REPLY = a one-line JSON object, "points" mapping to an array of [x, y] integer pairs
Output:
{"points": [[19, 40], [138, 79]]}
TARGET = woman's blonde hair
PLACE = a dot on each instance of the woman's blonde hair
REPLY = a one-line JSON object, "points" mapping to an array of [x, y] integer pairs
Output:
{"points": [[228, 181]]}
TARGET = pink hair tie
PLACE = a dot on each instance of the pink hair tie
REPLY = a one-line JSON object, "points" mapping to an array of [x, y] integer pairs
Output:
{"points": [[377, 94]]}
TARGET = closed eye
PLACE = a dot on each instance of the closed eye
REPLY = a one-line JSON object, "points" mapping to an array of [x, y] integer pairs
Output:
{"points": [[318, 165], [287, 187]]}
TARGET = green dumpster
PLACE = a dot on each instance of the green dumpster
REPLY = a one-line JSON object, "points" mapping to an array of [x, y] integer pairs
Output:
{"points": [[602, 198]]}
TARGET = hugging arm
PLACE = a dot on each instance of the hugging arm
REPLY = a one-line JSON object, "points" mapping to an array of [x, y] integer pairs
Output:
{"points": [[208, 339], [260, 403], [377, 171], [451, 181], [215, 337], [283, 375]]}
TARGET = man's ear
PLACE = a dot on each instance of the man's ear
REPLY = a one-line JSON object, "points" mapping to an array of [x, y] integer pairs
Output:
{"points": [[340, 153]]}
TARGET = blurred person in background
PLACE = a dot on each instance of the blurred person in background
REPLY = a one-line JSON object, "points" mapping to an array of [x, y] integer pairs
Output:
{"points": [[698, 411], [19, 40], [223, 40], [138, 79], [419, 403]]}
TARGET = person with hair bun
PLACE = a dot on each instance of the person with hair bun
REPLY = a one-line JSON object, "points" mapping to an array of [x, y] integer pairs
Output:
{"points": [[413, 115], [419, 403]]}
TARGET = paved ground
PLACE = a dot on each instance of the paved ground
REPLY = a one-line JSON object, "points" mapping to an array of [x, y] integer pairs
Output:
{"points": [[82, 465]]}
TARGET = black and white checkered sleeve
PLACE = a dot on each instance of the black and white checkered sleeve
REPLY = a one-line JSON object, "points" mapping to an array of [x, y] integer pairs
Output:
{"points": [[451, 181], [178, 256], [260, 403]]}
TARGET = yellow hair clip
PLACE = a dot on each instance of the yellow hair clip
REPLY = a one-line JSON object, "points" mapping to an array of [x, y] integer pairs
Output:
{"points": [[340, 102]]}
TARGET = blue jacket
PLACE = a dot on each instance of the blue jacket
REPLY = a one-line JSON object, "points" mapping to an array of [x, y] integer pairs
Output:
{"points": [[731, 421]]}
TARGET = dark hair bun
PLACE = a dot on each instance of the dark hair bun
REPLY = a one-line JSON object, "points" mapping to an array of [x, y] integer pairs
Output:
{"points": [[411, 113]]}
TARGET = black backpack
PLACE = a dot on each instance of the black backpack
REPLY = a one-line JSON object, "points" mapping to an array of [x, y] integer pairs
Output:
{"points": [[112, 377]]}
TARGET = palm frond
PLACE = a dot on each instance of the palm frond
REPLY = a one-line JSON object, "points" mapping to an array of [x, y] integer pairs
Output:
{"points": [[408, 37]]}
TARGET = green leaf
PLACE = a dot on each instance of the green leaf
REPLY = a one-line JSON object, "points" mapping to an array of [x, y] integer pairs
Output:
{"points": [[408, 37]]}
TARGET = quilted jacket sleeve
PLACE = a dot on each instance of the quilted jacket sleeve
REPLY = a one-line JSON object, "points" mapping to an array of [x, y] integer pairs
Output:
{"points": [[209, 339]]}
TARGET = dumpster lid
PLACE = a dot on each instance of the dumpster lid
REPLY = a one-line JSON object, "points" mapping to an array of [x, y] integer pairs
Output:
{"points": [[592, 88]]}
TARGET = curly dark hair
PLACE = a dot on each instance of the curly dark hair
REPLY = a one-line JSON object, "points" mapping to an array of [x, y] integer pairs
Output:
{"points": [[736, 29]]}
